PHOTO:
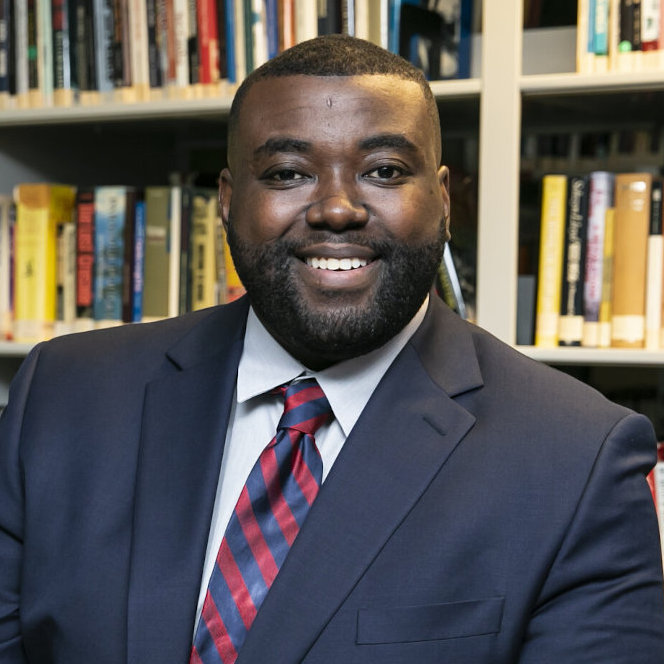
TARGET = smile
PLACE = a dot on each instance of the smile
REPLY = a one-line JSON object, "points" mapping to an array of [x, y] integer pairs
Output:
{"points": [[336, 264]]}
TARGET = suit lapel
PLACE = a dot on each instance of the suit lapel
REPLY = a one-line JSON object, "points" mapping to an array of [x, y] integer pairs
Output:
{"points": [[401, 441], [184, 423]]}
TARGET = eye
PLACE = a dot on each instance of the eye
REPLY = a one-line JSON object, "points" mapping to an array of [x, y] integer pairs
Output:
{"points": [[387, 172], [285, 175]]}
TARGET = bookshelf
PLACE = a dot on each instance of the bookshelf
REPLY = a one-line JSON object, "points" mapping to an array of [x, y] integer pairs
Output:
{"points": [[143, 142]]}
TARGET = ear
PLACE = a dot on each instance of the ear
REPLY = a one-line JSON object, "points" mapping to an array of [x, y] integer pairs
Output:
{"points": [[444, 184], [225, 193]]}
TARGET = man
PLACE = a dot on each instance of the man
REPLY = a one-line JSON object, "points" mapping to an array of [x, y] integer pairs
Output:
{"points": [[475, 506]]}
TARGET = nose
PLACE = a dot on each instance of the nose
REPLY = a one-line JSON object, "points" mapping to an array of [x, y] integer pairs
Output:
{"points": [[337, 206]]}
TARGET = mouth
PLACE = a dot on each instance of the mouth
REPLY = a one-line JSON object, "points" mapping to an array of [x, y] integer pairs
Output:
{"points": [[336, 264]]}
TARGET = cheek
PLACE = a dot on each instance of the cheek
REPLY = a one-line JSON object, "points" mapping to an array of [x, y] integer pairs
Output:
{"points": [[263, 216], [413, 216]]}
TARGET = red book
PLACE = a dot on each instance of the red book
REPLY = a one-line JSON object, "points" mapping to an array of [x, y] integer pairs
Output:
{"points": [[208, 41]]}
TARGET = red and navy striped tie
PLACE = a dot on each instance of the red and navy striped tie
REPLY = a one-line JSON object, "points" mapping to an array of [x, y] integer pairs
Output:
{"points": [[268, 516]]}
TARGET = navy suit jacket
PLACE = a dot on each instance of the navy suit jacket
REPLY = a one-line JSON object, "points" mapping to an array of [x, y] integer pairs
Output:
{"points": [[485, 509]]}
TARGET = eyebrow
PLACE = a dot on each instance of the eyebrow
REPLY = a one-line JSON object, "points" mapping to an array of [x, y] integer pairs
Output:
{"points": [[282, 144], [395, 141]]}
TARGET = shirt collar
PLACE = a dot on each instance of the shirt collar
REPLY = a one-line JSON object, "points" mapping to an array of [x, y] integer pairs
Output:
{"points": [[348, 385]]}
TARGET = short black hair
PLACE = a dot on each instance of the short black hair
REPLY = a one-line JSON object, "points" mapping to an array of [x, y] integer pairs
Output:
{"points": [[335, 55]]}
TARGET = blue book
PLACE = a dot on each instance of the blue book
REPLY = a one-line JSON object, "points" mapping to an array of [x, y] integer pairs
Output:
{"points": [[272, 27], [110, 216], [139, 261], [230, 41]]}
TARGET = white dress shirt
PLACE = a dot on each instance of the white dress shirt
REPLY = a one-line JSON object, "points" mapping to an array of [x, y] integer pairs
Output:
{"points": [[255, 413]]}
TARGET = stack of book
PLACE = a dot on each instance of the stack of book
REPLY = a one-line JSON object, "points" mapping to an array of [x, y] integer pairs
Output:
{"points": [[600, 276], [75, 259], [620, 35], [62, 52]]}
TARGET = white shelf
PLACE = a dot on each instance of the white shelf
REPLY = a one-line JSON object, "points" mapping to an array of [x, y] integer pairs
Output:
{"points": [[595, 356], [163, 108], [12, 349], [464, 87], [588, 83]]}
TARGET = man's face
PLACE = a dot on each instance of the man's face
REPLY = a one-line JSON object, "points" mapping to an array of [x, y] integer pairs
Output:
{"points": [[335, 209]]}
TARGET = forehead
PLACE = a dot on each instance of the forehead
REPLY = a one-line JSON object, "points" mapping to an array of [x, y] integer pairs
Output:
{"points": [[317, 108]]}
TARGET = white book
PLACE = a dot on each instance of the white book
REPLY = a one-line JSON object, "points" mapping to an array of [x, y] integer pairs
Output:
{"points": [[175, 229], [600, 198]]}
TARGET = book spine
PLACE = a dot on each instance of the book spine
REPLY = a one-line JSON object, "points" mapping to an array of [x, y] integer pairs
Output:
{"points": [[600, 198], [286, 11], [129, 260], [85, 253], [140, 71], [241, 68], [184, 272], [192, 43], [306, 20], [174, 244], [6, 251], [552, 233], [21, 52], [631, 226], [570, 327], [208, 49], [104, 31], [110, 206], [169, 46], [650, 24], [655, 268], [607, 281], [139, 262], [155, 263], [271, 28], [34, 90], [258, 33], [5, 51], [154, 64], [66, 279], [181, 25], [45, 45]]}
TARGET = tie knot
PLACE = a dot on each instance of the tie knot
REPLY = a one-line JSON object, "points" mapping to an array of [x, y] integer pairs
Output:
{"points": [[306, 407]]}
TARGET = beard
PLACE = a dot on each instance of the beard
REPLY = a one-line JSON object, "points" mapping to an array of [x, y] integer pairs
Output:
{"points": [[341, 329]]}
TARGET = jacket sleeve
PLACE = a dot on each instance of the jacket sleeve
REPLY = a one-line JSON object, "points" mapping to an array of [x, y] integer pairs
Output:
{"points": [[603, 599], [12, 513]]}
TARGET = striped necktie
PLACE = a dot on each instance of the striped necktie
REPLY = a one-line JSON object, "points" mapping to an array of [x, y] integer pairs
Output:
{"points": [[271, 509]]}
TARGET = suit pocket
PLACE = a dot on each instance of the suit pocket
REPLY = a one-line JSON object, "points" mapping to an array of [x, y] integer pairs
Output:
{"points": [[429, 623]]}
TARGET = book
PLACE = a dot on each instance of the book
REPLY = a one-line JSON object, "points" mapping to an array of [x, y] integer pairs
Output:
{"points": [[137, 23], [570, 324], [112, 210], [139, 262], [40, 209], [208, 43], [630, 235], [84, 52], [65, 316], [654, 268], [604, 339], [104, 29], [21, 53], [600, 198], [7, 218], [549, 275], [6, 52], [437, 40], [156, 253], [129, 249], [203, 267], [85, 257]]}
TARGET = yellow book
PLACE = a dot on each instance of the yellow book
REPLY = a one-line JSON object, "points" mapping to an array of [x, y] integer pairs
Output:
{"points": [[549, 279], [203, 255], [40, 208], [630, 250]]}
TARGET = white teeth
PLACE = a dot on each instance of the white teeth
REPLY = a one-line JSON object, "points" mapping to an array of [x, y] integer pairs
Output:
{"points": [[336, 263]]}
